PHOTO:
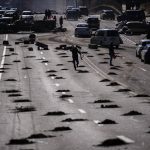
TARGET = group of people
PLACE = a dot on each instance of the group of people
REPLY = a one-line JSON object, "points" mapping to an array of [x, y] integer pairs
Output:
{"points": [[48, 14], [75, 50], [132, 4]]}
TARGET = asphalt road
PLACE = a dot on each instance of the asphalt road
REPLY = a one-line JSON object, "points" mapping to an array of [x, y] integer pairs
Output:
{"points": [[46, 105]]}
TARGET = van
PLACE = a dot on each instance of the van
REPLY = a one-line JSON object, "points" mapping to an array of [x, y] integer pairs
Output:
{"points": [[93, 22], [105, 37], [72, 15]]}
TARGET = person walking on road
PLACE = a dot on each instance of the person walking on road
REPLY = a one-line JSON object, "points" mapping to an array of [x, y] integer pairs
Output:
{"points": [[111, 53], [61, 22], [75, 51]]}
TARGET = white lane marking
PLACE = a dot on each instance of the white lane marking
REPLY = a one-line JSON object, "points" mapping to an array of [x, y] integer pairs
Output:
{"points": [[52, 78], [25, 77], [129, 40], [142, 69], [57, 84], [46, 64], [132, 118], [43, 58], [82, 111], [125, 139], [100, 72], [3, 57], [96, 121], [70, 101], [63, 93], [42, 53]]}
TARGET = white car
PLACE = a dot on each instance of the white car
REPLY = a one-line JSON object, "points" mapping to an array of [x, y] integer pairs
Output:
{"points": [[105, 37], [27, 15], [82, 30], [145, 54], [141, 46]]}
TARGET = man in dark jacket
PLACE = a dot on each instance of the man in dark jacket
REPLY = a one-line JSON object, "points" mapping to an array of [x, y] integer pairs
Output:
{"points": [[111, 53], [75, 52]]}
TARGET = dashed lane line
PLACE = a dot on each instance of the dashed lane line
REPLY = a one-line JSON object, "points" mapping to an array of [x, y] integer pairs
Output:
{"points": [[142, 69], [82, 111], [3, 56], [125, 139], [70, 101]]}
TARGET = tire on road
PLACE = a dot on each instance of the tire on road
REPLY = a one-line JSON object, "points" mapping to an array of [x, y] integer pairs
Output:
{"points": [[93, 46]]}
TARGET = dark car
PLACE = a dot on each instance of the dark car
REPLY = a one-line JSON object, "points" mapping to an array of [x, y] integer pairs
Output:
{"points": [[134, 27], [84, 10], [132, 15], [93, 22], [107, 14]]}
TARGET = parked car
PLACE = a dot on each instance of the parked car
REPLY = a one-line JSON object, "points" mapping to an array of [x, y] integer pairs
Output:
{"points": [[141, 46], [132, 15], [107, 14], [105, 37], [27, 16], [5, 23], [82, 29], [145, 54], [84, 10], [93, 22], [72, 15], [134, 27]]}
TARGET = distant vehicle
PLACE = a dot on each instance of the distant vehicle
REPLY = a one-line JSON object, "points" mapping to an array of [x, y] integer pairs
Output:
{"points": [[141, 46], [145, 54], [135, 27], [71, 15], [77, 11], [105, 37], [82, 30], [5, 23], [107, 14], [84, 10], [12, 13], [27, 16], [69, 8], [93, 22], [2, 12], [132, 15]]}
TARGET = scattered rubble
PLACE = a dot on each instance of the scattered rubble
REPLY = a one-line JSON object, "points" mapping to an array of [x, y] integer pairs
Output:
{"points": [[112, 73], [107, 121], [112, 142], [73, 120], [21, 101], [55, 113], [11, 80], [65, 96], [19, 142], [17, 61], [61, 129], [40, 136], [102, 101], [113, 84], [25, 109], [105, 80], [51, 71], [26, 68], [83, 71], [11, 91], [14, 95], [141, 95], [110, 106], [63, 91], [123, 90], [132, 113]]}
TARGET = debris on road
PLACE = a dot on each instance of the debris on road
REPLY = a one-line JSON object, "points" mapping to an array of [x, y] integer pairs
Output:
{"points": [[40, 136], [57, 129], [107, 121], [73, 120], [55, 113], [20, 142], [132, 113]]}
